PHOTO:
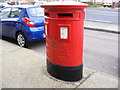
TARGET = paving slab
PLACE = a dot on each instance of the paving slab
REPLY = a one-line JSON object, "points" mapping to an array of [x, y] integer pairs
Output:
{"points": [[0, 46], [86, 74], [100, 80], [24, 68], [0, 58], [0, 71], [101, 26], [7, 47], [0, 63]]}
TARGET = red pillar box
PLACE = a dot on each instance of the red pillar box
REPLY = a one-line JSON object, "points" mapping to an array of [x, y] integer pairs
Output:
{"points": [[64, 28]]}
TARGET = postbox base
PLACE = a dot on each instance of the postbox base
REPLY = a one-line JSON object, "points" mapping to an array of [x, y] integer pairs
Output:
{"points": [[65, 73]]}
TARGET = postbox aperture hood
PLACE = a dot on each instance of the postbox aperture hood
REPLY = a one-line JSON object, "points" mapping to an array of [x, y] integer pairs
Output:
{"points": [[62, 4]]}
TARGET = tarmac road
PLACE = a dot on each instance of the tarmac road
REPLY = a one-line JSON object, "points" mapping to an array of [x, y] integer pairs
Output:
{"points": [[102, 15], [100, 51]]}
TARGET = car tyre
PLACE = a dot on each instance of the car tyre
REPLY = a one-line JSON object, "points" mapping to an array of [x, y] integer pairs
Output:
{"points": [[21, 40], [104, 6]]}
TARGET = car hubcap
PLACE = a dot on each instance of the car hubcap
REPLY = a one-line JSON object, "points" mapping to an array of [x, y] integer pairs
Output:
{"points": [[21, 40]]}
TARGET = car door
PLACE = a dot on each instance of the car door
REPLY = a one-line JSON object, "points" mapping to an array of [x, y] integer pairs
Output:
{"points": [[4, 14], [14, 22]]}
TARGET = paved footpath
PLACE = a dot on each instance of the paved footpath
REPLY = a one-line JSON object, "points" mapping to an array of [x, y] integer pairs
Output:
{"points": [[102, 27], [24, 68]]}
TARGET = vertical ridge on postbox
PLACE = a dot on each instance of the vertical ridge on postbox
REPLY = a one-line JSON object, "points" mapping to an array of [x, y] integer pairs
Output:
{"points": [[64, 39]]}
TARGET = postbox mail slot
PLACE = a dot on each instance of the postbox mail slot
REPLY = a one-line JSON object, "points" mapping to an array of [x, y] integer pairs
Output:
{"points": [[47, 14], [65, 15]]}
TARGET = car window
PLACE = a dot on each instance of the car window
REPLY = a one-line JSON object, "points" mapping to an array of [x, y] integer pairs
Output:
{"points": [[35, 12], [15, 12], [5, 13]]}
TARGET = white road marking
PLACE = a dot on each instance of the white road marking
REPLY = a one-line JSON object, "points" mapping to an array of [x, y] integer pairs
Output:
{"points": [[99, 20], [108, 8], [100, 11], [106, 14]]}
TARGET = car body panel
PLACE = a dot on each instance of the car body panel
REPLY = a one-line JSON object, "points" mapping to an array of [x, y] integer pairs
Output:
{"points": [[12, 25]]}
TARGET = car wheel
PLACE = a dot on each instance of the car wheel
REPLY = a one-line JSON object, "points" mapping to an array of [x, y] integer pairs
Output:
{"points": [[105, 6], [21, 40]]}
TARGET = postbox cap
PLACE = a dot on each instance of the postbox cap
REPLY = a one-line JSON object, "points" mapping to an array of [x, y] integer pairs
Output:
{"points": [[65, 4]]}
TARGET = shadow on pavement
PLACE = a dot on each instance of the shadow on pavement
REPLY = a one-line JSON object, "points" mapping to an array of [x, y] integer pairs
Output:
{"points": [[8, 39], [37, 44], [39, 47], [31, 45]]}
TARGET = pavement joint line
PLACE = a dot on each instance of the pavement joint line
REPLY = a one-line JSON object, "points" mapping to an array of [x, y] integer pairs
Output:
{"points": [[76, 83], [86, 79], [92, 70], [99, 73], [102, 30]]}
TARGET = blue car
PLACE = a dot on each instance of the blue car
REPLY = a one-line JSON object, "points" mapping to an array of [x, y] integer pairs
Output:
{"points": [[23, 23]]}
